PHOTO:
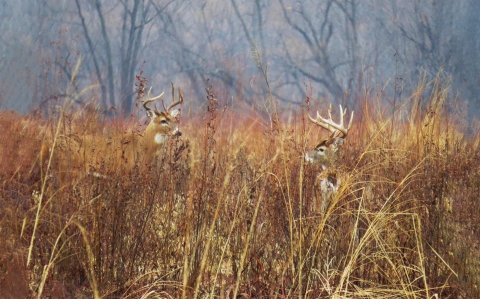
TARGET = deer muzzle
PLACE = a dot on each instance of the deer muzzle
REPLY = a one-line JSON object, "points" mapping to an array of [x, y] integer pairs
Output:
{"points": [[176, 132]]}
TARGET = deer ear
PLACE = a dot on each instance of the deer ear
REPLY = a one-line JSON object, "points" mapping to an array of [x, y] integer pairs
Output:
{"points": [[151, 114], [175, 113], [338, 142]]}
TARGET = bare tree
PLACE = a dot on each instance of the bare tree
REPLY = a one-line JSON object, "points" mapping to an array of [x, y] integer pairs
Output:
{"points": [[207, 54], [314, 50], [437, 36], [128, 42], [326, 44]]}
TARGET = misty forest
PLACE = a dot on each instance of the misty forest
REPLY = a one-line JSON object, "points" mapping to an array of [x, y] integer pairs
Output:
{"points": [[240, 149]]}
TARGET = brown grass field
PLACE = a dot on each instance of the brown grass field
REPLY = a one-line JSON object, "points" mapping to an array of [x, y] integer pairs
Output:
{"points": [[226, 210]]}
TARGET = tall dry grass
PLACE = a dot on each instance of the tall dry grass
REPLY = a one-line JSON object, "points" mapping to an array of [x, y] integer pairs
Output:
{"points": [[226, 211]]}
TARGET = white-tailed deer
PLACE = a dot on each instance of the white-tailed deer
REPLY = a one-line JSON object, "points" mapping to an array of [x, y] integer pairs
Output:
{"points": [[325, 154], [104, 153]]}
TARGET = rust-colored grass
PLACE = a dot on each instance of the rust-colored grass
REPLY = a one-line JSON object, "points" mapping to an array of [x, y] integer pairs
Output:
{"points": [[227, 209]]}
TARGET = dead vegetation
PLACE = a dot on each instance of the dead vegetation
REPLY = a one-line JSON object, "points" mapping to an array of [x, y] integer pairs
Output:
{"points": [[226, 210]]}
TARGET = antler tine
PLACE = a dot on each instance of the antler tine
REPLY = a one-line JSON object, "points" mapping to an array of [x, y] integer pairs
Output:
{"points": [[149, 99], [330, 111], [155, 98], [173, 91], [316, 121], [342, 115], [330, 125], [163, 105], [350, 122], [177, 102]]}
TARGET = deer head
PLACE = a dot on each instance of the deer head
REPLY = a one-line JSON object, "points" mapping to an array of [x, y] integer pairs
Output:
{"points": [[162, 123], [324, 152], [114, 151]]}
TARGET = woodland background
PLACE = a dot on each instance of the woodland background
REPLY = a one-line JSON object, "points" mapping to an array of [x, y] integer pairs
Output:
{"points": [[338, 49], [227, 209]]}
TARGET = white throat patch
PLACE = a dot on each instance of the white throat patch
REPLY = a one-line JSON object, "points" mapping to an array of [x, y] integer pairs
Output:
{"points": [[308, 158], [160, 138]]}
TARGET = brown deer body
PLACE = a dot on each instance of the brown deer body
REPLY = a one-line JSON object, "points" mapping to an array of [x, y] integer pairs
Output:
{"points": [[102, 154], [325, 154]]}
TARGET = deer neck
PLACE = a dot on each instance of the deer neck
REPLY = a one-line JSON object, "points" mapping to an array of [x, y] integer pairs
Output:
{"points": [[153, 138], [159, 138]]}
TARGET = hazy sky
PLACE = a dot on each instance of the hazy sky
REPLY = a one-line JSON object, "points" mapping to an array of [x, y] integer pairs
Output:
{"points": [[334, 49]]}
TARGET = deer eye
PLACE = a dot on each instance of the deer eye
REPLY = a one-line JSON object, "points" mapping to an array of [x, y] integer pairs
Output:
{"points": [[163, 122]]}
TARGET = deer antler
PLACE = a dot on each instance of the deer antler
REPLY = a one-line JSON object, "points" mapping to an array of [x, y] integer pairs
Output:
{"points": [[149, 99], [331, 126], [173, 98]]}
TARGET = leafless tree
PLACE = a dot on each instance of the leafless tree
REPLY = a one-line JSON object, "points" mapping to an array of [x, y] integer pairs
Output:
{"points": [[106, 43], [332, 45], [320, 47]]}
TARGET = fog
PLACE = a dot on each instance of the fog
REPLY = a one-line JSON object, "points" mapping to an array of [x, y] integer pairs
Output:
{"points": [[337, 50]]}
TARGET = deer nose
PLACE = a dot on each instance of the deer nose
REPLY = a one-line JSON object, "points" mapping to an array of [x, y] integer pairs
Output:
{"points": [[309, 158], [177, 132]]}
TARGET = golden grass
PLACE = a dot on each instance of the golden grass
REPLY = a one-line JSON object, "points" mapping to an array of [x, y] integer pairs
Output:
{"points": [[226, 211]]}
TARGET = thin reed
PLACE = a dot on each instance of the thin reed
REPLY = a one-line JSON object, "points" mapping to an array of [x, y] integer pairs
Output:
{"points": [[226, 210]]}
